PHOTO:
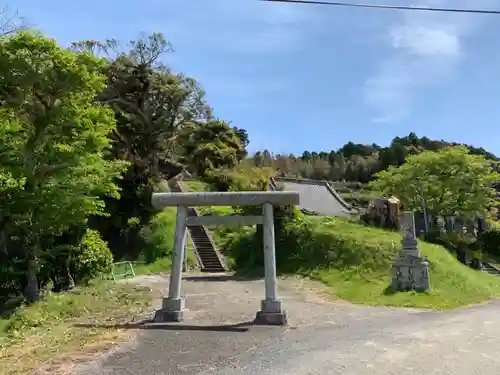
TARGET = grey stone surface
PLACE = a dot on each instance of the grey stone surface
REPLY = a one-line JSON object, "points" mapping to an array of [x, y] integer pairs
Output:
{"points": [[409, 270], [271, 306], [271, 313], [224, 198], [172, 310], [316, 197], [323, 337], [271, 318], [168, 316]]}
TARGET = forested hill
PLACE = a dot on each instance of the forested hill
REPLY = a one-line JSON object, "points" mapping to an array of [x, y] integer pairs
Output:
{"points": [[354, 162]]}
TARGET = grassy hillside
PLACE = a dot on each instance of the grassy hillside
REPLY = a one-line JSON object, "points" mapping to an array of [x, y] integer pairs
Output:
{"points": [[64, 326], [453, 284], [354, 261], [158, 239]]}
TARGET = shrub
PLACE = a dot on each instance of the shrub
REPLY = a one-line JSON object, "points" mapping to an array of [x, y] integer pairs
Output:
{"points": [[306, 242], [11, 278], [240, 178], [91, 257], [240, 246], [452, 240], [158, 236]]}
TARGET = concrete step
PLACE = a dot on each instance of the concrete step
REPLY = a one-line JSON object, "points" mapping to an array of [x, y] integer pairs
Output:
{"points": [[213, 270], [491, 270]]}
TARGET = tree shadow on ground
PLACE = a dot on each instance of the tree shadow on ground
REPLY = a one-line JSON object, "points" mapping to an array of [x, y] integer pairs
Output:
{"points": [[248, 275], [389, 291], [150, 325]]}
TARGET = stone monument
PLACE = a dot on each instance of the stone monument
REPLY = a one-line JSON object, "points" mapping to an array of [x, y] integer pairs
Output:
{"points": [[410, 271]]}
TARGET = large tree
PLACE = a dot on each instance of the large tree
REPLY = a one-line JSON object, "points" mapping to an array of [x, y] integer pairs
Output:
{"points": [[159, 113], [53, 140], [152, 105], [451, 181], [211, 145]]}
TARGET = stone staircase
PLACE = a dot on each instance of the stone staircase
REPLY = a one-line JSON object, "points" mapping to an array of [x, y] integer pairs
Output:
{"points": [[209, 258], [491, 269]]}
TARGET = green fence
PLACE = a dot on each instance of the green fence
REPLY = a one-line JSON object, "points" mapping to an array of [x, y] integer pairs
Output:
{"points": [[122, 270]]}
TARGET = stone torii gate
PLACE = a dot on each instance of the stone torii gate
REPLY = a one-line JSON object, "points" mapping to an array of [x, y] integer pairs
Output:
{"points": [[271, 312]]}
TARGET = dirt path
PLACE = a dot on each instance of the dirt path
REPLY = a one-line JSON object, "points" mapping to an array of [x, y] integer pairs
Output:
{"points": [[217, 328]]}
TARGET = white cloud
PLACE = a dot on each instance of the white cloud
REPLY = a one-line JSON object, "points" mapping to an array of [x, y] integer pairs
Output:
{"points": [[426, 49]]}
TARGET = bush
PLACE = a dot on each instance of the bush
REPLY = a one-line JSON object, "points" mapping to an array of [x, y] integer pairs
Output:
{"points": [[158, 236], [307, 242], [453, 240], [11, 278], [74, 258], [91, 258], [243, 245], [240, 178], [240, 246]]}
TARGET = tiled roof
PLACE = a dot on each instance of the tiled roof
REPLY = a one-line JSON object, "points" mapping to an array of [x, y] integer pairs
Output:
{"points": [[317, 196]]}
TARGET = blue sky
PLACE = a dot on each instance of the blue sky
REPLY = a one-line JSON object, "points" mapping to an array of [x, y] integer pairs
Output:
{"points": [[309, 77]]}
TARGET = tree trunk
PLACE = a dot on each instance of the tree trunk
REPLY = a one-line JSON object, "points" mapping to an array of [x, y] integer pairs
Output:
{"points": [[31, 291]]}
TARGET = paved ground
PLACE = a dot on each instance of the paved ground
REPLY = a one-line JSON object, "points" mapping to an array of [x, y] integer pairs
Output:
{"points": [[323, 338]]}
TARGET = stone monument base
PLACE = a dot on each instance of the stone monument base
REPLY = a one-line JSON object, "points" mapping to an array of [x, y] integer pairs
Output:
{"points": [[271, 314], [172, 311], [410, 273]]}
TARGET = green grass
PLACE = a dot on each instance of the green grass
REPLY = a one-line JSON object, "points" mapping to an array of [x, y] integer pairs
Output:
{"points": [[453, 284], [161, 265], [194, 185], [354, 262], [61, 326], [159, 239]]}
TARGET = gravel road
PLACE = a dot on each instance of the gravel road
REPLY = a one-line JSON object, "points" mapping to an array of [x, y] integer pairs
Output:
{"points": [[324, 336]]}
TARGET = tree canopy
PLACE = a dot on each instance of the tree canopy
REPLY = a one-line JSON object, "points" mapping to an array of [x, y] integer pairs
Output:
{"points": [[86, 136], [54, 136], [355, 162], [451, 181]]}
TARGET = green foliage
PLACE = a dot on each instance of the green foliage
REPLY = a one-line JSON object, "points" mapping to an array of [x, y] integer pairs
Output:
{"points": [[91, 258], [239, 178], [54, 138], [152, 105], [450, 181], [353, 162], [77, 258], [354, 260], [240, 246], [210, 146], [457, 241], [158, 236], [307, 242]]}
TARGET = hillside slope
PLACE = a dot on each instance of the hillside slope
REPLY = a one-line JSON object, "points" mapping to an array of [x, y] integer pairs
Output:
{"points": [[355, 262]]}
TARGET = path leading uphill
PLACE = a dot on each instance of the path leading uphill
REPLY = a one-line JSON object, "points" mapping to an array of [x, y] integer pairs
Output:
{"points": [[324, 337]]}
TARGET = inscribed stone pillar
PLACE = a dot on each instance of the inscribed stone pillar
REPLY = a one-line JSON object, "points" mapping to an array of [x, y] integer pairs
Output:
{"points": [[410, 271]]}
